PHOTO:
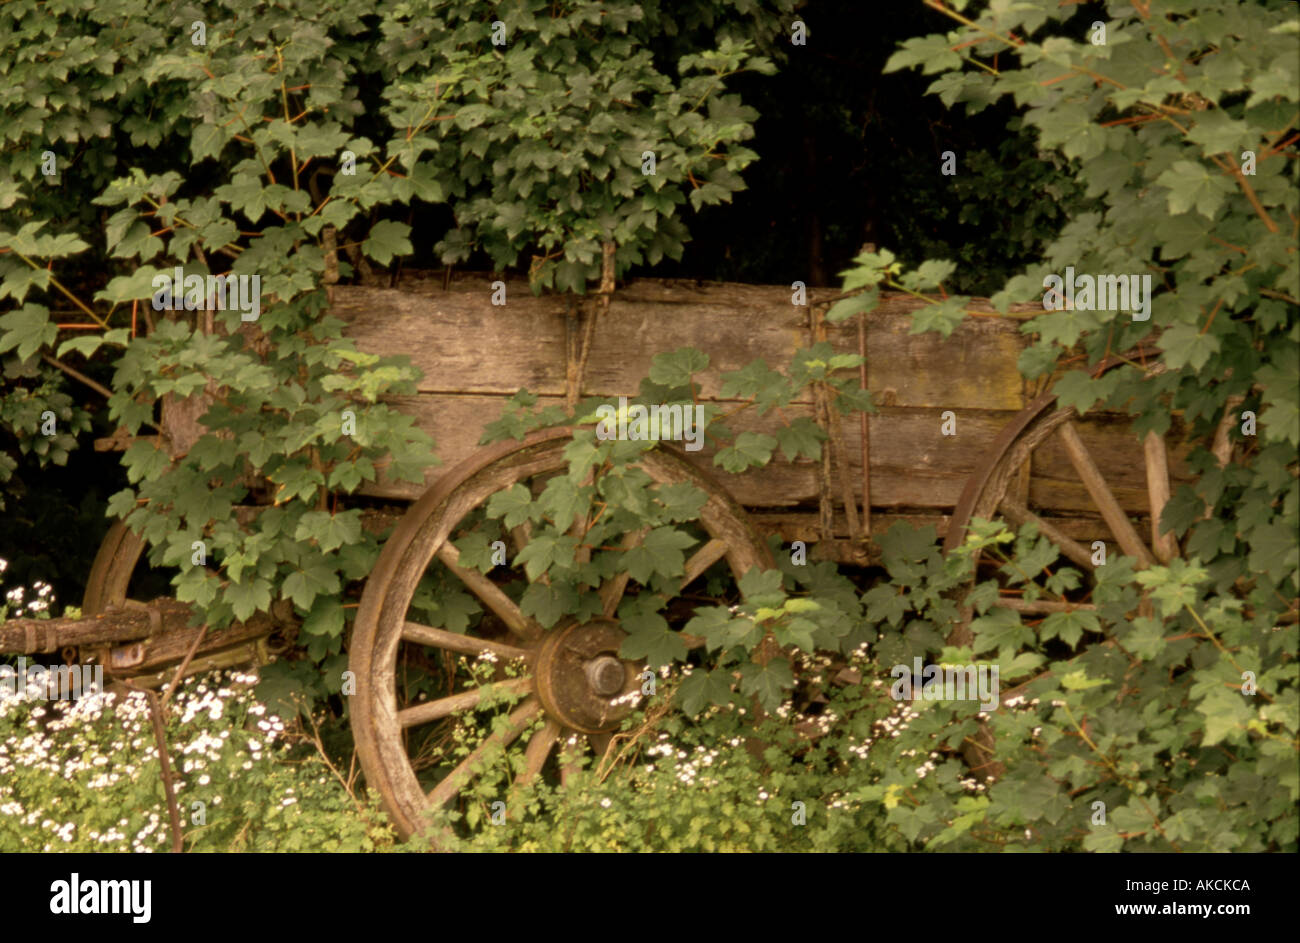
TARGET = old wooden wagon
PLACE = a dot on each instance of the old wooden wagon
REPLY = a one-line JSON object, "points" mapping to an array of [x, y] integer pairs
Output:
{"points": [[1013, 452]]}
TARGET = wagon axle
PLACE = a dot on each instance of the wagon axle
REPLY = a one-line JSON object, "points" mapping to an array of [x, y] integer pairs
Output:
{"points": [[581, 681]]}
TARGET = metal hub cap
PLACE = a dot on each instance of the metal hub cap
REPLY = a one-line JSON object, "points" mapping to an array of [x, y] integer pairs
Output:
{"points": [[605, 675], [580, 678]]}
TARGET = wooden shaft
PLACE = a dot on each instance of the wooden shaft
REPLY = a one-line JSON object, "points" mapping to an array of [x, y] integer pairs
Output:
{"points": [[490, 594], [821, 403], [1222, 445], [172, 646], [455, 642], [168, 625]]}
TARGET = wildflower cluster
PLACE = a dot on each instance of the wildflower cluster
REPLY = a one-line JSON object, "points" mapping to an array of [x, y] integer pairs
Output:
{"points": [[21, 602], [84, 775]]}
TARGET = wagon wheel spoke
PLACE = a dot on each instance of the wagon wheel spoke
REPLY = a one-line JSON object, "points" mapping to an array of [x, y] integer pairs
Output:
{"points": [[578, 531], [599, 743], [515, 724], [539, 748], [611, 594], [702, 559], [456, 703], [1111, 512], [491, 595], [521, 535], [1018, 514], [453, 642], [582, 523]]}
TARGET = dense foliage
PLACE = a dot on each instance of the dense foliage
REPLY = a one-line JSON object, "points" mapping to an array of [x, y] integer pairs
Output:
{"points": [[1166, 718]]}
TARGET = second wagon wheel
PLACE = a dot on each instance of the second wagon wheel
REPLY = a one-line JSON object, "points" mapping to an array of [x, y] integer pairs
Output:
{"points": [[110, 574], [557, 690], [989, 493]]}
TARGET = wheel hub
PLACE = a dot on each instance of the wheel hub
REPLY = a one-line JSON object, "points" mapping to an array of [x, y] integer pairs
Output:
{"points": [[581, 680]]}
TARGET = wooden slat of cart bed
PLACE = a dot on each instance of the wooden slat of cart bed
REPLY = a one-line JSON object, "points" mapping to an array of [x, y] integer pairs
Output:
{"points": [[465, 344]]}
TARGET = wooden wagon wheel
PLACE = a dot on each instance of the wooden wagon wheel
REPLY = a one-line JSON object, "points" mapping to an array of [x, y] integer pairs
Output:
{"points": [[573, 680], [986, 496], [985, 493], [110, 573]]}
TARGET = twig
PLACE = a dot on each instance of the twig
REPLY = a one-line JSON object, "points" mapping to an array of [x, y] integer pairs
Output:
{"points": [[169, 788], [185, 663], [77, 375], [320, 748]]}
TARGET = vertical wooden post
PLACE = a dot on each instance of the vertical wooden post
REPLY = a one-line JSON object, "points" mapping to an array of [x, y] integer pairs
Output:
{"points": [[1157, 466], [866, 428]]}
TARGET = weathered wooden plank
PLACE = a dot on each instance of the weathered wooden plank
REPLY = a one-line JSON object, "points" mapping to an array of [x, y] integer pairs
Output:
{"points": [[464, 343], [802, 525]]}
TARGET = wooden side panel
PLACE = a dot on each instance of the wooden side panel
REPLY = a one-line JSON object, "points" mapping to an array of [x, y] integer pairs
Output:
{"points": [[475, 354]]}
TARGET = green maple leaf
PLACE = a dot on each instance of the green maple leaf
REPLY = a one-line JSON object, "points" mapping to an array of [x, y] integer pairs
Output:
{"points": [[674, 368], [1069, 626], [564, 501], [661, 551], [387, 239], [330, 531], [547, 603], [303, 586], [750, 448], [1192, 185], [767, 682], [801, 437], [998, 629], [247, 598], [28, 329], [703, 688], [515, 504], [682, 501], [1187, 345], [326, 617], [649, 637]]}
